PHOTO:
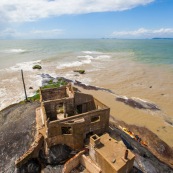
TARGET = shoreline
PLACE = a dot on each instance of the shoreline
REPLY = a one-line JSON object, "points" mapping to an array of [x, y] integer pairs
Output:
{"points": [[132, 116], [124, 77]]}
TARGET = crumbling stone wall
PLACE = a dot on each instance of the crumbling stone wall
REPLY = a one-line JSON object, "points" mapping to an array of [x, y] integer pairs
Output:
{"points": [[81, 114], [51, 107], [86, 100], [79, 126], [66, 133], [52, 93]]}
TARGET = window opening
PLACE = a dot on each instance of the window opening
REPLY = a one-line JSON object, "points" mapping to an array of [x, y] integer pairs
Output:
{"points": [[66, 130], [95, 119]]}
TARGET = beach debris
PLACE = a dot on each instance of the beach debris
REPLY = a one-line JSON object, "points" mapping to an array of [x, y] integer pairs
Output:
{"points": [[133, 136], [137, 103], [79, 71], [37, 67]]}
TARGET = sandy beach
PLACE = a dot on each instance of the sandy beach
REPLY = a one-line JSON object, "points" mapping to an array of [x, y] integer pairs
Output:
{"points": [[142, 81]]}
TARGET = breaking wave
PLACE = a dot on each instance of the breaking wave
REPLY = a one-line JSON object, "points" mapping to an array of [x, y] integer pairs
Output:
{"points": [[99, 57], [15, 51], [74, 64], [91, 52], [103, 57], [27, 66]]}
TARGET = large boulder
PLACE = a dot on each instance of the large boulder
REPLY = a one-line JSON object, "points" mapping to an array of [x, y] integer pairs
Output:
{"points": [[37, 67]]}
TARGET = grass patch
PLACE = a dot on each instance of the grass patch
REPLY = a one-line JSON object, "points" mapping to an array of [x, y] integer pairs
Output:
{"points": [[51, 84]]}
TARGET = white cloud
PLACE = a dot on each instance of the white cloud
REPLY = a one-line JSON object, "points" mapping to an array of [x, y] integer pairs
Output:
{"points": [[52, 32], [144, 33], [38, 34], [29, 10]]}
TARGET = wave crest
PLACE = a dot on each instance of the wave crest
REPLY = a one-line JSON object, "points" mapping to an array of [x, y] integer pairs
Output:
{"points": [[74, 64], [91, 52], [15, 51]]}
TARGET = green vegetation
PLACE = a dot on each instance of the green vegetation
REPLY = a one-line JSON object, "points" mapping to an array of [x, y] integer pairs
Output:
{"points": [[37, 67], [80, 71], [51, 84], [34, 97]]}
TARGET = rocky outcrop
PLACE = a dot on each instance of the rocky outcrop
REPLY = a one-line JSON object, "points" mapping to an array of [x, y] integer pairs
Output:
{"points": [[37, 67], [32, 152], [17, 131], [58, 154], [32, 166], [79, 71], [138, 103]]}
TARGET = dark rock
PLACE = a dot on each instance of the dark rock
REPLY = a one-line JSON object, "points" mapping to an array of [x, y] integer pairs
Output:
{"points": [[37, 67], [79, 71], [32, 166], [138, 103], [43, 75], [30, 88], [46, 79], [57, 154], [17, 130], [53, 169], [150, 86]]}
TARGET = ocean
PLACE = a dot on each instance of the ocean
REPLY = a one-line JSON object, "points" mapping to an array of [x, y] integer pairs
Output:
{"points": [[147, 51], [131, 68]]}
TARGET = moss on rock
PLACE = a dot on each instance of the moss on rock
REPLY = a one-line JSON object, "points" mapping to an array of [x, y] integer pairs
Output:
{"points": [[52, 84], [37, 67], [80, 71]]}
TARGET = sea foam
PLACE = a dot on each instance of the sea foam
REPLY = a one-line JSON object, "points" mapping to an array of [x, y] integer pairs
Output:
{"points": [[86, 56], [103, 57], [27, 66], [74, 64], [91, 52], [15, 51]]}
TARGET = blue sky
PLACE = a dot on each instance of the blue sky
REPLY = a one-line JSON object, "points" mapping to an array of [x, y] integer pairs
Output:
{"points": [[44, 19]]}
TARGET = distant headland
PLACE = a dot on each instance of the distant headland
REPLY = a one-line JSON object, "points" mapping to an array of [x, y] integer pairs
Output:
{"points": [[158, 38]]}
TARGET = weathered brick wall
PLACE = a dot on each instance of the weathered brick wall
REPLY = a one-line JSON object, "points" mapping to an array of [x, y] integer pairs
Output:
{"points": [[99, 105], [51, 107], [53, 94], [72, 163], [74, 139], [79, 129], [80, 99]]}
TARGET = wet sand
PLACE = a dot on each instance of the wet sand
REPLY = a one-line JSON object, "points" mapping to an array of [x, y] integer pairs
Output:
{"points": [[150, 83]]}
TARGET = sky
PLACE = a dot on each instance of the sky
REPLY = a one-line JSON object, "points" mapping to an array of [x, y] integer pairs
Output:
{"points": [[88, 19]]}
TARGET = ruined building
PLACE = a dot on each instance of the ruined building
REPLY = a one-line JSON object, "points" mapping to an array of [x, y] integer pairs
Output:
{"points": [[68, 117]]}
